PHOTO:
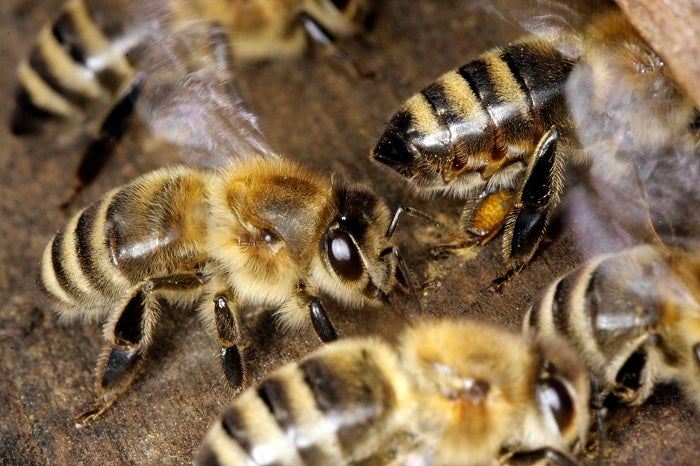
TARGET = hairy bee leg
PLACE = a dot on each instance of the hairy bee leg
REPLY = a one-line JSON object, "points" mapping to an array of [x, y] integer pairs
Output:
{"points": [[322, 324], [482, 218], [123, 357], [101, 148], [536, 199], [548, 455], [228, 330], [321, 36]]}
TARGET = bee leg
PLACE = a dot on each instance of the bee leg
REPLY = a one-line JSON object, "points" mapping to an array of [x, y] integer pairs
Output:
{"points": [[485, 215], [548, 455], [534, 202], [101, 148], [482, 217], [124, 356], [321, 36], [322, 324], [416, 214], [228, 330]]}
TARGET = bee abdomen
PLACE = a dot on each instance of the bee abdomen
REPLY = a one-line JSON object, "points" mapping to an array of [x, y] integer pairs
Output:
{"points": [[76, 271], [575, 308], [141, 230], [508, 97], [75, 67], [319, 412]]}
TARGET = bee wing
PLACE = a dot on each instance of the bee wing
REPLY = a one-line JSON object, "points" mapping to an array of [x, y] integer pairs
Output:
{"points": [[637, 130], [189, 97], [554, 21], [156, 58]]}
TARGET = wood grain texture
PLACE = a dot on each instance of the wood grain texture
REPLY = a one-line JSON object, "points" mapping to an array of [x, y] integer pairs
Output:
{"points": [[314, 111]]}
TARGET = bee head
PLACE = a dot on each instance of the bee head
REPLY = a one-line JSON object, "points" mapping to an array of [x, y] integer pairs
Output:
{"points": [[562, 391], [357, 260]]}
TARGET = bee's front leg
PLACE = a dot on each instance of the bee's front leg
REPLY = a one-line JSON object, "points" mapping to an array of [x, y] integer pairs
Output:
{"points": [[319, 319]]}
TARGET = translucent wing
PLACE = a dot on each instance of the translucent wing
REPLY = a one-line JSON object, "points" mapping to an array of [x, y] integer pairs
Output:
{"points": [[95, 65], [189, 97], [637, 129], [559, 22]]}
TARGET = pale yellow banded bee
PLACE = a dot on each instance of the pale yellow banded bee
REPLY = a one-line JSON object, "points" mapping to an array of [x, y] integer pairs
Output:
{"points": [[257, 233], [89, 66], [451, 393], [633, 316], [498, 131]]}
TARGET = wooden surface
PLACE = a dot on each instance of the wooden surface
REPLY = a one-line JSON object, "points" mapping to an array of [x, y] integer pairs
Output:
{"points": [[312, 110]]}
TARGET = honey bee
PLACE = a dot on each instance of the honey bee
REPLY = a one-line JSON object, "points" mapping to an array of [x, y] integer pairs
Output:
{"points": [[88, 67], [452, 392], [633, 316], [499, 130], [259, 232]]}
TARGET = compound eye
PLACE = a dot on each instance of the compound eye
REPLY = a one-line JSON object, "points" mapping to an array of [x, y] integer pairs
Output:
{"points": [[556, 397], [343, 254]]}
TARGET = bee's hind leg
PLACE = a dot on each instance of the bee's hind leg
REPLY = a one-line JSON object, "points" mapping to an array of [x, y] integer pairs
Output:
{"points": [[534, 203], [131, 336], [124, 355]]}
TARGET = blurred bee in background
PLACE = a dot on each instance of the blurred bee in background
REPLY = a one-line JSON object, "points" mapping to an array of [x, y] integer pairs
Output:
{"points": [[499, 130], [451, 393], [633, 316], [89, 66], [258, 233]]}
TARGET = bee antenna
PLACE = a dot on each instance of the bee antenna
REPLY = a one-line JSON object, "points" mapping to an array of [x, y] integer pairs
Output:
{"points": [[417, 214]]}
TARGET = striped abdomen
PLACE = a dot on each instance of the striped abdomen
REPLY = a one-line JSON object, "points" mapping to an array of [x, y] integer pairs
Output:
{"points": [[328, 409], [149, 228], [77, 67], [467, 122], [608, 309]]}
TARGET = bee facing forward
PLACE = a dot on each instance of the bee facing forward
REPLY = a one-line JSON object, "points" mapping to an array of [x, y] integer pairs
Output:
{"points": [[263, 233], [454, 392], [88, 68], [497, 131], [633, 316]]}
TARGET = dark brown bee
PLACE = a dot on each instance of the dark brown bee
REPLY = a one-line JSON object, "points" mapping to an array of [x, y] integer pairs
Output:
{"points": [[498, 131]]}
